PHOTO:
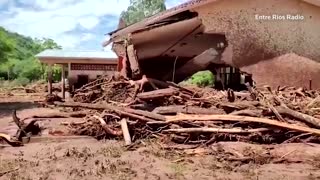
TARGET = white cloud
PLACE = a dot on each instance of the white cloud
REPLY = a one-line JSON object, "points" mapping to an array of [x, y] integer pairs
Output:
{"points": [[87, 36], [173, 3], [60, 19], [57, 18], [3, 2], [89, 22], [109, 51], [67, 41]]}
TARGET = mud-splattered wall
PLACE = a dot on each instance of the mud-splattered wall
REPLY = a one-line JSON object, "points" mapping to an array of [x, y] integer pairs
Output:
{"points": [[254, 40]]}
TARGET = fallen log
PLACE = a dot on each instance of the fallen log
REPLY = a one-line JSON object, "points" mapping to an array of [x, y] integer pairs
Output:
{"points": [[215, 130], [285, 110], [186, 110], [137, 114], [299, 116], [160, 93], [59, 115], [178, 118]]}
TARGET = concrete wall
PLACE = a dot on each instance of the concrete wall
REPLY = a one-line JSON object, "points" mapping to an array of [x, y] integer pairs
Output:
{"points": [[252, 40], [73, 75]]}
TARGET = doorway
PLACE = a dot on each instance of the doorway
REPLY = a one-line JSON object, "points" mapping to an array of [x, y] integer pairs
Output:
{"points": [[82, 80]]}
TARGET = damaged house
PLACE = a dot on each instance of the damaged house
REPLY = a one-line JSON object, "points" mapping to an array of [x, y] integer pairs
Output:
{"points": [[277, 42]]}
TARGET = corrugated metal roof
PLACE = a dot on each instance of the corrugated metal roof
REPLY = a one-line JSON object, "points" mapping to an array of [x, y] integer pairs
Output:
{"points": [[75, 54]]}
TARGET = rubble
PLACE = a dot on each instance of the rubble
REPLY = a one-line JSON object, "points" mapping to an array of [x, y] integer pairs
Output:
{"points": [[192, 115]]}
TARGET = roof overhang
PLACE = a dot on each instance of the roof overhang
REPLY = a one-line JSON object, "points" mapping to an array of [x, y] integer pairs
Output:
{"points": [[64, 60]]}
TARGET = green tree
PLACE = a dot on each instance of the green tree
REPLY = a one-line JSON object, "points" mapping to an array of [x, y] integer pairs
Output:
{"points": [[6, 46], [140, 9], [17, 57]]}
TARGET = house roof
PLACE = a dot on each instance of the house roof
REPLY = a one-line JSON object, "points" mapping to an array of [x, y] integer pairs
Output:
{"points": [[64, 56], [157, 18], [74, 54], [160, 16]]}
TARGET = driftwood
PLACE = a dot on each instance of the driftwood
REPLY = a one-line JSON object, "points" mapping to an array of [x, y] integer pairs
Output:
{"points": [[284, 109], [216, 130], [138, 114], [125, 131], [106, 128], [59, 115], [186, 110], [144, 112], [247, 112], [157, 94], [230, 107], [299, 116], [10, 141], [178, 118]]}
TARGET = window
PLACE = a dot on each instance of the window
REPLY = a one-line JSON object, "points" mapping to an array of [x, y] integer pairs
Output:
{"points": [[94, 67]]}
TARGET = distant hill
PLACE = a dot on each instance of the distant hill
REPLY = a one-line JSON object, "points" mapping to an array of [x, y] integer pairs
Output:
{"points": [[17, 56]]}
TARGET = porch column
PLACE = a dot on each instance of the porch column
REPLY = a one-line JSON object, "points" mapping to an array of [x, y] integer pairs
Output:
{"points": [[63, 76], [50, 78]]}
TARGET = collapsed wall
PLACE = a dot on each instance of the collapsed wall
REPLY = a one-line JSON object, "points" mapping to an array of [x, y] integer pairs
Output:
{"points": [[250, 43]]}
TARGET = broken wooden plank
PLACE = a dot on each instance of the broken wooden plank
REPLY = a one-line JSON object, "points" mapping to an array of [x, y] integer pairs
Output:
{"points": [[216, 130], [179, 118], [134, 64], [186, 110], [248, 112], [125, 132]]}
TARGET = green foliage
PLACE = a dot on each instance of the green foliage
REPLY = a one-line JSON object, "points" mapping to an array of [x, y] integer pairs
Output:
{"points": [[21, 81], [6, 46], [201, 79], [140, 9], [17, 57]]}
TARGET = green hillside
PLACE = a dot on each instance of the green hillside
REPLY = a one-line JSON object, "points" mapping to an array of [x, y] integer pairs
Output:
{"points": [[17, 57]]}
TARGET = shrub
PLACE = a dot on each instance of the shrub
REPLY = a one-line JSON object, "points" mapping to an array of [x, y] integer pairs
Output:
{"points": [[201, 79], [21, 81]]}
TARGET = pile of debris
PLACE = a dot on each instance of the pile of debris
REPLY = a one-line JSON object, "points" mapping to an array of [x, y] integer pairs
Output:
{"points": [[190, 115]]}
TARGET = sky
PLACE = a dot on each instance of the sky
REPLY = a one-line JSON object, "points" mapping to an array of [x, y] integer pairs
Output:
{"points": [[73, 24]]}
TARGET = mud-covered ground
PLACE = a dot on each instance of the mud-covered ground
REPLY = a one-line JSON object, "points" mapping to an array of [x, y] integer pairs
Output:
{"points": [[86, 158]]}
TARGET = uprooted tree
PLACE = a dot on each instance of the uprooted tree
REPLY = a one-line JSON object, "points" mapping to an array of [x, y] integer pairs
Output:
{"points": [[140, 9]]}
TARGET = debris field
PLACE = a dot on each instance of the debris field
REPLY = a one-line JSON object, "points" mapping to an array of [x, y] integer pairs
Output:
{"points": [[118, 108]]}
